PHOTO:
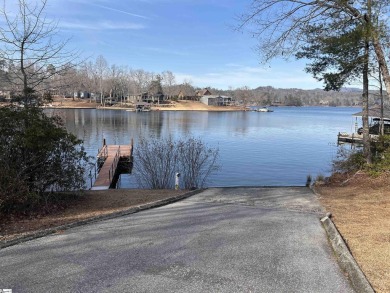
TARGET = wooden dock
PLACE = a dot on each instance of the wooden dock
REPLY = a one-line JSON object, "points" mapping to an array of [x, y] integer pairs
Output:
{"points": [[353, 138], [344, 137], [111, 155]]}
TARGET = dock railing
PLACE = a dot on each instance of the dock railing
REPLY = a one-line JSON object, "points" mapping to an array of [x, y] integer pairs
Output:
{"points": [[108, 161], [114, 164]]}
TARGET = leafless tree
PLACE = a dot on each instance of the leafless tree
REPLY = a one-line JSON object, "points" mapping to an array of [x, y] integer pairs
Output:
{"points": [[27, 40], [280, 25], [142, 79], [168, 82], [244, 94], [101, 67]]}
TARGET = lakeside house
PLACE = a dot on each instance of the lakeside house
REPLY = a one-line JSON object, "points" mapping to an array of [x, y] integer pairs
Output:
{"points": [[187, 93], [146, 97], [81, 95], [216, 100], [203, 92]]}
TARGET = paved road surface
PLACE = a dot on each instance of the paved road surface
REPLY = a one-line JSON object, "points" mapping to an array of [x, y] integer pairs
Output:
{"points": [[221, 240]]}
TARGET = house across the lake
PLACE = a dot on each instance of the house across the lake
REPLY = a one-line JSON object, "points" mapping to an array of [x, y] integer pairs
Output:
{"points": [[204, 92], [216, 100], [146, 97], [187, 93]]}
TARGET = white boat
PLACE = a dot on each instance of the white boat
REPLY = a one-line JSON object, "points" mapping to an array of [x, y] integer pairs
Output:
{"points": [[264, 109]]}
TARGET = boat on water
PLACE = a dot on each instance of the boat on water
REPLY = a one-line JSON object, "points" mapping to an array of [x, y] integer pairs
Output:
{"points": [[142, 107], [264, 109]]}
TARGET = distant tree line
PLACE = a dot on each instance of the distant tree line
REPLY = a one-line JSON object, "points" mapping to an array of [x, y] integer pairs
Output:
{"points": [[120, 81]]}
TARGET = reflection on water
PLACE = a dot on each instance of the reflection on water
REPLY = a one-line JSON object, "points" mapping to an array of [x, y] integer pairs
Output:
{"points": [[256, 149]]}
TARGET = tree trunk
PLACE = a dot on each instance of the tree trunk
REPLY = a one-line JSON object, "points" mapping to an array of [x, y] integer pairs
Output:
{"points": [[381, 125], [366, 129], [22, 69], [382, 63]]}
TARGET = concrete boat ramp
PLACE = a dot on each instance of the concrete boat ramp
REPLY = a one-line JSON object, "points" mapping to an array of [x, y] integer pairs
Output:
{"points": [[220, 240]]}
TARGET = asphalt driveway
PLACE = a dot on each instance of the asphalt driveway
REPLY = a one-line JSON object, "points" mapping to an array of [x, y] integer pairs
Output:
{"points": [[221, 240]]}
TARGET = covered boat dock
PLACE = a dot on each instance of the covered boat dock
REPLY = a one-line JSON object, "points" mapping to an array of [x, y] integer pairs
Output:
{"points": [[375, 114]]}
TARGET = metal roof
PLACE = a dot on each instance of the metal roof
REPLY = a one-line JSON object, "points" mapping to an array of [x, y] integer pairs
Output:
{"points": [[375, 112]]}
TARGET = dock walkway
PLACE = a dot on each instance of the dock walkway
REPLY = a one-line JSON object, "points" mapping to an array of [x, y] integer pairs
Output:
{"points": [[344, 137], [353, 138], [111, 154]]}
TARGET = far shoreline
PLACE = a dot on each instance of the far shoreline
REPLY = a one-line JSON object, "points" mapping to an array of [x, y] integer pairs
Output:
{"points": [[183, 105]]}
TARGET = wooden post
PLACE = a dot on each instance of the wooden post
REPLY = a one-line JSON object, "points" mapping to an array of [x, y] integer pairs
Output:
{"points": [[177, 181]]}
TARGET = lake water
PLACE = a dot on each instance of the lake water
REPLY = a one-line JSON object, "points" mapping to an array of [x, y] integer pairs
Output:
{"points": [[256, 149]]}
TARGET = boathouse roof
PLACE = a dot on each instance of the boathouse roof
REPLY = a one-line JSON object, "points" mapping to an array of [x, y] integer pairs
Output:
{"points": [[375, 112]]}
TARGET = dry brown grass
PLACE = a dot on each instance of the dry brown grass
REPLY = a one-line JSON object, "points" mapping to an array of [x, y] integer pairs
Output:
{"points": [[88, 205], [361, 211]]}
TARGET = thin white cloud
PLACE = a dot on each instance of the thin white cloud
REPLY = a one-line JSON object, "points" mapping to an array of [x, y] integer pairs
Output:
{"points": [[120, 11], [103, 25]]}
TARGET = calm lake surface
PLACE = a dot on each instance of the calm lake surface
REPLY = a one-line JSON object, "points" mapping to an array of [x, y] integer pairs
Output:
{"points": [[256, 149]]}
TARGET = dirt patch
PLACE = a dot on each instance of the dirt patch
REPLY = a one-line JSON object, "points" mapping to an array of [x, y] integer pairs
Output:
{"points": [[89, 204], [360, 208]]}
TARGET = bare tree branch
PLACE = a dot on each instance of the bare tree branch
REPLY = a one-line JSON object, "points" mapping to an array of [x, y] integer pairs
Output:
{"points": [[28, 41]]}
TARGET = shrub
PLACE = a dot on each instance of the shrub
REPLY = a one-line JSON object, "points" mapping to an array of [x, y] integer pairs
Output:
{"points": [[348, 161], [320, 178], [155, 163], [157, 160], [196, 162], [37, 155], [380, 156]]}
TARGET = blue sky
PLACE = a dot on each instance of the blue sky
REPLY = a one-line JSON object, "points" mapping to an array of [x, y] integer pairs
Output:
{"points": [[194, 39]]}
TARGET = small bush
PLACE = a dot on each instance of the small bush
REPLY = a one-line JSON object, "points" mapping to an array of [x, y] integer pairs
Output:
{"points": [[380, 155], [348, 161], [196, 161], [157, 160], [155, 163], [320, 178]]}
